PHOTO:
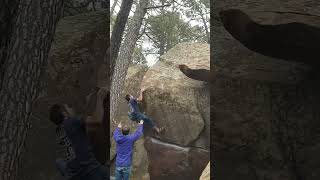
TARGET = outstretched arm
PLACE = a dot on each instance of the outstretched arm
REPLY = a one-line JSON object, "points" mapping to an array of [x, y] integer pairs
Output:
{"points": [[140, 98], [138, 132], [197, 74], [96, 120], [97, 130], [102, 93], [117, 135]]}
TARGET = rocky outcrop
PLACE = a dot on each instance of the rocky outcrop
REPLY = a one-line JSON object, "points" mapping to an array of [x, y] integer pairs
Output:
{"points": [[289, 36], [264, 109], [181, 104], [76, 67], [172, 98], [76, 60], [171, 162]]}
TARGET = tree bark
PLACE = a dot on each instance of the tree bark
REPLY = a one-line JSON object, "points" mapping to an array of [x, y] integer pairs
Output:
{"points": [[162, 47], [113, 6], [117, 32], [163, 41], [27, 30], [124, 59]]}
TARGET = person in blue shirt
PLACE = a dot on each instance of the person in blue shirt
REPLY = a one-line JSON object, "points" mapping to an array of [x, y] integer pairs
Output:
{"points": [[77, 161], [124, 149], [135, 113]]}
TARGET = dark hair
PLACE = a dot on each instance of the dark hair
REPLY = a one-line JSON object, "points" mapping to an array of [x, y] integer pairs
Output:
{"points": [[125, 130], [128, 97], [56, 115]]}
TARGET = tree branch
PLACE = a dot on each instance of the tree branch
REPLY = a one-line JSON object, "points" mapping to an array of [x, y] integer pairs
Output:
{"points": [[143, 31], [178, 3], [150, 37], [154, 7]]}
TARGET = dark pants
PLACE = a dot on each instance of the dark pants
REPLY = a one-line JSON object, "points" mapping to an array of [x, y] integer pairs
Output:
{"points": [[123, 173], [61, 165], [137, 116], [100, 173]]}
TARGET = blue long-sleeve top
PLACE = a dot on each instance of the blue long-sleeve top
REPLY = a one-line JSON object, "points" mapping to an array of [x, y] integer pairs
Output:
{"points": [[124, 147]]}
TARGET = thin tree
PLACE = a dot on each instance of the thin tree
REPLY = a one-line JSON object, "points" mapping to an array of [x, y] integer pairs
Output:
{"points": [[113, 7], [26, 31], [117, 32], [125, 54], [199, 9]]}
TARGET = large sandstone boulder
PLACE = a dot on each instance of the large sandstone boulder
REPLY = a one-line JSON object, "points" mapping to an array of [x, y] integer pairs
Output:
{"points": [[180, 104], [179, 153], [265, 110], [172, 99], [73, 72]]}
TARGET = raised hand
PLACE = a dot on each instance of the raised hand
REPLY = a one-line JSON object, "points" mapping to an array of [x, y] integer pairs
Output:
{"points": [[120, 125], [143, 89], [69, 110], [141, 122], [140, 98]]}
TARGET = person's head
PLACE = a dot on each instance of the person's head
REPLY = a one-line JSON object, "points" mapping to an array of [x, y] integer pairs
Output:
{"points": [[57, 114], [128, 97], [125, 130]]}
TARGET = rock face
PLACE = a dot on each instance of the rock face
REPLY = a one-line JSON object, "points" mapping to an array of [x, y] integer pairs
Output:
{"points": [[177, 102], [140, 159], [173, 162], [75, 69], [181, 105], [172, 98], [264, 110], [76, 64]]}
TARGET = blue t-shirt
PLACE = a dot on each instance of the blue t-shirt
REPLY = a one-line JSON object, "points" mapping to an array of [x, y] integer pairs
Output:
{"points": [[76, 149], [133, 105], [124, 147]]}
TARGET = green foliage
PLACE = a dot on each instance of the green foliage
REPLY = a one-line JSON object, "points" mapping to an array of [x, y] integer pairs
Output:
{"points": [[168, 29], [199, 10], [138, 57], [167, 26], [206, 3], [112, 20]]}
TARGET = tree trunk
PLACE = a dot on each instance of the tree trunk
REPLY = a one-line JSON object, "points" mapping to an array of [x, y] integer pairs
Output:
{"points": [[117, 32], [8, 9], [124, 59], [113, 6], [27, 30], [163, 42], [162, 46]]}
